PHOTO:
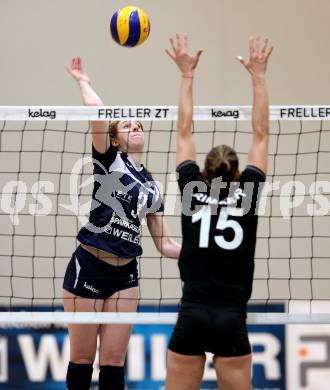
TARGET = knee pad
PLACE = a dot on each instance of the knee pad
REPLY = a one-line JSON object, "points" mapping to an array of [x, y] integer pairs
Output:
{"points": [[79, 376], [111, 377]]}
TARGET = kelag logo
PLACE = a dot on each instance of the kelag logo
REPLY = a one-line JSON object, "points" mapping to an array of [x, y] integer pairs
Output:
{"points": [[40, 113], [233, 114], [308, 352]]}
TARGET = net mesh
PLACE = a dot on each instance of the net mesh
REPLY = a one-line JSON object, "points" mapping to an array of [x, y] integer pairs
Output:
{"points": [[46, 190]]}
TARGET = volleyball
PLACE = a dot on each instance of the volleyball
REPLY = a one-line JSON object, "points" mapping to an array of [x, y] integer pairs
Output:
{"points": [[130, 26]]}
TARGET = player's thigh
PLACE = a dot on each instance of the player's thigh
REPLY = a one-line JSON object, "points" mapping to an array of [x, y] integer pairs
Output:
{"points": [[83, 337], [184, 372], [233, 373], [114, 338]]}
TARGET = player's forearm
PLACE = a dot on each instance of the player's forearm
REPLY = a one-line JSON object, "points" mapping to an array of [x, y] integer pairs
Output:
{"points": [[89, 96], [99, 128], [260, 111], [185, 104], [170, 248]]}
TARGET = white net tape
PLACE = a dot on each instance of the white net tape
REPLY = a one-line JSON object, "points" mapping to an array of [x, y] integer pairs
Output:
{"points": [[154, 113]]}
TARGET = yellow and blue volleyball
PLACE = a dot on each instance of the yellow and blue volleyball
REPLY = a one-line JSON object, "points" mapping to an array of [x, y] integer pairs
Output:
{"points": [[130, 26]]}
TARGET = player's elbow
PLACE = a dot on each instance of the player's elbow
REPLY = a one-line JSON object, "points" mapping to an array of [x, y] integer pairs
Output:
{"points": [[162, 244], [184, 136], [261, 133], [260, 128], [184, 128]]}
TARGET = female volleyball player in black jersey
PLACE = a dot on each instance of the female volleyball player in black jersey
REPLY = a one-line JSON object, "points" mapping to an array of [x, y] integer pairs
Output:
{"points": [[219, 226], [102, 274]]}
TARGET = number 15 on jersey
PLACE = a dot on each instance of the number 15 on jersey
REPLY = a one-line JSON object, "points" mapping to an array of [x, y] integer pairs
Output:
{"points": [[204, 215]]}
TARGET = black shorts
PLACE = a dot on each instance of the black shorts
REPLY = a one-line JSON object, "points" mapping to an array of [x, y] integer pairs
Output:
{"points": [[204, 328], [89, 277]]}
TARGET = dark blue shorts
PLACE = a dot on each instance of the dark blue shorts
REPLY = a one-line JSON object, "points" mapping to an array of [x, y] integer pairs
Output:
{"points": [[89, 277], [204, 328]]}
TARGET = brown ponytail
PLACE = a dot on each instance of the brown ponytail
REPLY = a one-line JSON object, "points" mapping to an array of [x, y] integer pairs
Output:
{"points": [[221, 161]]}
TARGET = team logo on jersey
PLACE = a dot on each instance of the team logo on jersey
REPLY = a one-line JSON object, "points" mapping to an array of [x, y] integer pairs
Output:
{"points": [[124, 196], [113, 191], [237, 196]]}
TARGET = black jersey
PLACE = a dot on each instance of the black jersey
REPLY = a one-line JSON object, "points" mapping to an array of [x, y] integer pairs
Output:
{"points": [[123, 194], [218, 235]]}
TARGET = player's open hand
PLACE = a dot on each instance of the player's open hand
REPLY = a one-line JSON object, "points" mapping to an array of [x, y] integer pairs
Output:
{"points": [[259, 55], [76, 70], [179, 54]]}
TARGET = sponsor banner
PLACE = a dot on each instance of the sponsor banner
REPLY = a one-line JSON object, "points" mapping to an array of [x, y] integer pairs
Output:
{"points": [[268, 356], [308, 357], [37, 358], [156, 113]]}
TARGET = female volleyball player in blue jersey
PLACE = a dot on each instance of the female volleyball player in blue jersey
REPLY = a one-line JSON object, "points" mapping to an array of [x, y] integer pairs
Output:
{"points": [[102, 275], [219, 226]]}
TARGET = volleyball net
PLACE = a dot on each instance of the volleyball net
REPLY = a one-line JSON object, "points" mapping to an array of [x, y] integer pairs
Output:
{"points": [[46, 185]]}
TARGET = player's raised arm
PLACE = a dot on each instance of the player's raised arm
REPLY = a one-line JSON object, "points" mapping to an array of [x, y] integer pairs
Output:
{"points": [[256, 65], [162, 237], [185, 146], [100, 134]]}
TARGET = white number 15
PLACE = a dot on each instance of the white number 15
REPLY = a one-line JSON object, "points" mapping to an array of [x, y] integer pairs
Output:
{"points": [[204, 214]]}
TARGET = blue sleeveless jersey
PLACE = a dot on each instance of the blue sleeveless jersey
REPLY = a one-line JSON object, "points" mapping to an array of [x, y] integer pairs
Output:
{"points": [[122, 196]]}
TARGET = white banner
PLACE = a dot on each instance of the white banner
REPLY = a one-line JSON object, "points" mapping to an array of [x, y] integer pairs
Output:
{"points": [[156, 113]]}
